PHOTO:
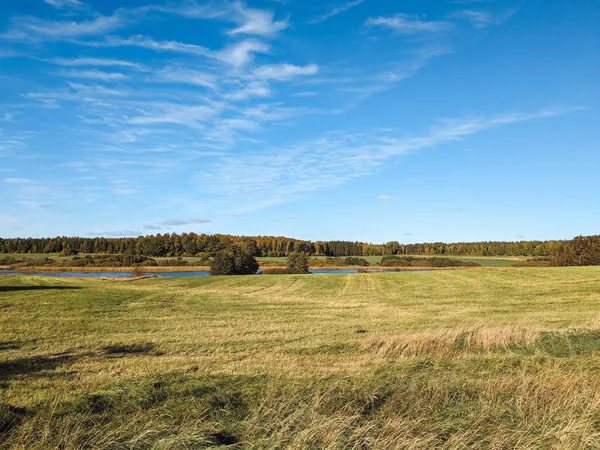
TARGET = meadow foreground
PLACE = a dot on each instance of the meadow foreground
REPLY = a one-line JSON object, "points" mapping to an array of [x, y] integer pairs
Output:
{"points": [[489, 358]]}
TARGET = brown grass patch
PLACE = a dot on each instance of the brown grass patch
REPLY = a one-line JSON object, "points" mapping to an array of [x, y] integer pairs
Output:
{"points": [[449, 342]]}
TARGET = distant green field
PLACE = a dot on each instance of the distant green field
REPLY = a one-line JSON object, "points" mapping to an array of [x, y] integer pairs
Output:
{"points": [[191, 260], [484, 261], [30, 255], [495, 359]]}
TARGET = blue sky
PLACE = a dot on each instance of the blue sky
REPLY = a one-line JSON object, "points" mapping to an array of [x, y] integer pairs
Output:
{"points": [[370, 120]]}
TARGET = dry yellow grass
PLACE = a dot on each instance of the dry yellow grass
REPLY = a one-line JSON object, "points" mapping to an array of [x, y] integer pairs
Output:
{"points": [[499, 359], [452, 341]]}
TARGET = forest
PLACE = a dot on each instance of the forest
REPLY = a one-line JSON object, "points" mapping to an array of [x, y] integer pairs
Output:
{"points": [[192, 244]]}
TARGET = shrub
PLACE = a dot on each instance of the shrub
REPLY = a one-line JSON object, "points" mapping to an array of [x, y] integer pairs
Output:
{"points": [[411, 261], [533, 262], [275, 271], [174, 262], [137, 272], [355, 261], [327, 262], [338, 262], [8, 261], [271, 264]]}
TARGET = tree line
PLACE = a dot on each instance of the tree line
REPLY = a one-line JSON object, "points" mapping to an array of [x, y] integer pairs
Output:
{"points": [[580, 251], [192, 244]]}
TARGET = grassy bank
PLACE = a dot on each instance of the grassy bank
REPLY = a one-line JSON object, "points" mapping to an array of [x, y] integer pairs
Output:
{"points": [[483, 260], [373, 260], [147, 269], [504, 358], [155, 269]]}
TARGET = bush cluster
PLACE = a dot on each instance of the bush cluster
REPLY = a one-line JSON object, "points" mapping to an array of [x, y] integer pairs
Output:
{"points": [[88, 261], [174, 262], [337, 262], [533, 262], [275, 271], [411, 261]]}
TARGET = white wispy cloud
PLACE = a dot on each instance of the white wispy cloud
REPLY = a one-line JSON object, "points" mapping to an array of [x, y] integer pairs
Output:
{"points": [[251, 90], [92, 75], [34, 28], [98, 62], [65, 3], [116, 233], [193, 10], [13, 142], [187, 76], [482, 19], [4, 53], [255, 21], [407, 24], [385, 80], [249, 21], [172, 113], [260, 179], [306, 94], [150, 44], [284, 71], [469, 2], [242, 52], [34, 205], [335, 11], [385, 198], [17, 180], [180, 222], [238, 54]]}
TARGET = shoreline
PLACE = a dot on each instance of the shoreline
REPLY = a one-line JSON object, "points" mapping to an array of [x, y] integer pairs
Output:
{"points": [[155, 269]]}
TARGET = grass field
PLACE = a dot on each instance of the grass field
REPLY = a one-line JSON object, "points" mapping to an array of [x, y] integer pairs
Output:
{"points": [[502, 359]]}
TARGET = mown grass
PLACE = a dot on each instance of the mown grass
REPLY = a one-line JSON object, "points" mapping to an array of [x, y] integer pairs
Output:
{"points": [[504, 358]]}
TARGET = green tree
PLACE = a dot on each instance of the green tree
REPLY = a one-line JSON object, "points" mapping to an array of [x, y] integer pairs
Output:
{"points": [[297, 263]]}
